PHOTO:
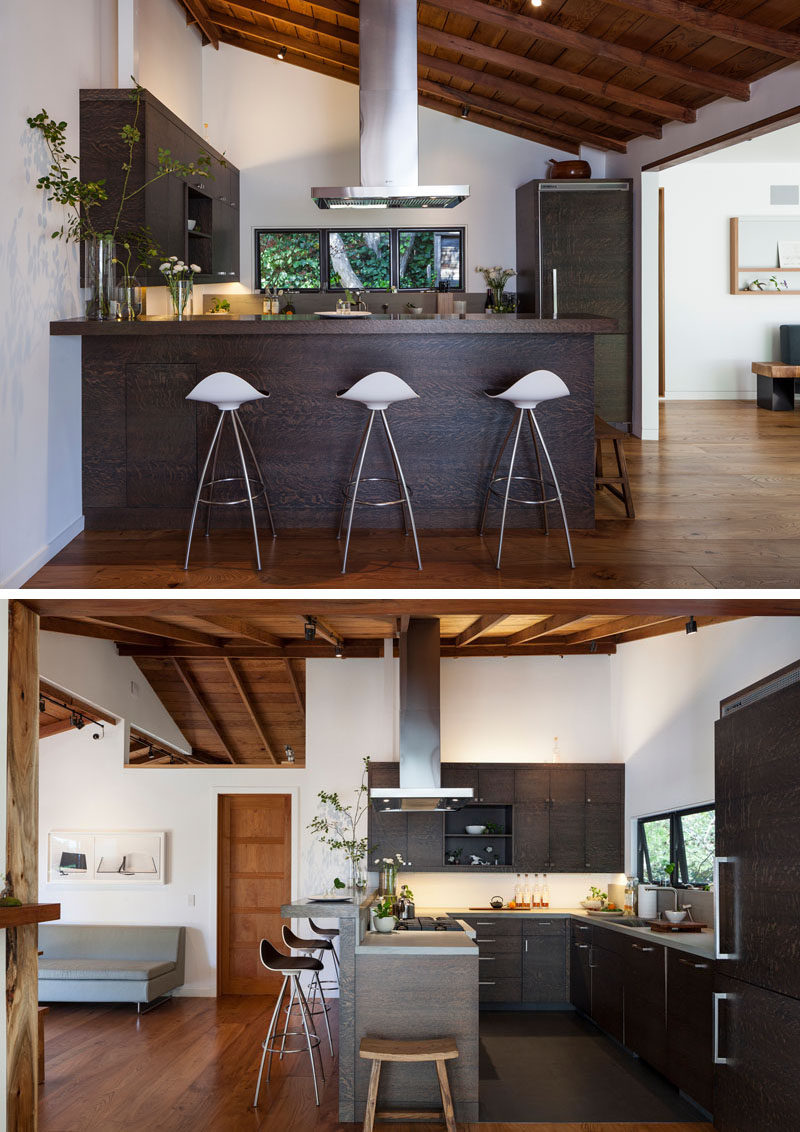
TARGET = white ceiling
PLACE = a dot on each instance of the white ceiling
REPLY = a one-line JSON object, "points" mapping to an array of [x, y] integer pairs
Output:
{"points": [[779, 147]]}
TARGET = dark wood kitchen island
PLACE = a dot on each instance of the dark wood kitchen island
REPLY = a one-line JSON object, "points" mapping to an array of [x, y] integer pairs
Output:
{"points": [[143, 443]]}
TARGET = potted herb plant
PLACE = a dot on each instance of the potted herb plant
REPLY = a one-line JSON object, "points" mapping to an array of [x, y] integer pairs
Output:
{"points": [[385, 918]]}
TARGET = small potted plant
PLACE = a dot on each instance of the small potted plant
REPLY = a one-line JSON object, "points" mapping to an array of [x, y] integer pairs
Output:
{"points": [[385, 918], [220, 306]]}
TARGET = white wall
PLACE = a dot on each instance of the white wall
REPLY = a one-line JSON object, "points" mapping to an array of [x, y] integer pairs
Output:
{"points": [[771, 95], [288, 129], [669, 689], [52, 50], [169, 58], [713, 337]]}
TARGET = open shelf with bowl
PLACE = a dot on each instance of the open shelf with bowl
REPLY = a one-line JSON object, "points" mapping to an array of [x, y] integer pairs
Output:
{"points": [[479, 837]]}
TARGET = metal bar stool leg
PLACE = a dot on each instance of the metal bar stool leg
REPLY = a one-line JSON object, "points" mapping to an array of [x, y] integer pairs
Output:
{"points": [[209, 507], [491, 478], [350, 475], [403, 483], [287, 1018], [541, 479], [398, 477], [355, 483], [270, 1032], [556, 484], [200, 487], [257, 467], [324, 1009], [308, 1041], [508, 486], [247, 489]]}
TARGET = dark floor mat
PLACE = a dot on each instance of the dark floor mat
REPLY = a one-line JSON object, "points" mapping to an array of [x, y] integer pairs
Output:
{"points": [[558, 1067]]}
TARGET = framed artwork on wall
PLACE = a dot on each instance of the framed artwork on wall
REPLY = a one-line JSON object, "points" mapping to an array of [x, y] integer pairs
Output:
{"points": [[129, 858]]}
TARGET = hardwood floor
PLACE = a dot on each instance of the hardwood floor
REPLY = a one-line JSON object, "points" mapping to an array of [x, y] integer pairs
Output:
{"points": [[191, 1065], [717, 504]]}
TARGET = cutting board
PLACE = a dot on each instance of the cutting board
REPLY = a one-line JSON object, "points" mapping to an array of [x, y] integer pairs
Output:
{"points": [[683, 926]]}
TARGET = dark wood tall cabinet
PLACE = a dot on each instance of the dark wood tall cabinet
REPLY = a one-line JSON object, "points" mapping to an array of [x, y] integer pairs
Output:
{"points": [[583, 230], [165, 206]]}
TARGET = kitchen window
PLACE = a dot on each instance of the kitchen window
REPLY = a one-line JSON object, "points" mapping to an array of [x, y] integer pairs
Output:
{"points": [[355, 259], [289, 261], [684, 838]]}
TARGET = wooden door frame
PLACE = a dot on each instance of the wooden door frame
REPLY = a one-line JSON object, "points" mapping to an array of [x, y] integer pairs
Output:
{"points": [[216, 793], [662, 293]]}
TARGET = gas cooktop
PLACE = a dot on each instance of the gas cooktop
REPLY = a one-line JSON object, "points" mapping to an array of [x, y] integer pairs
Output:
{"points": [[429, 924]]}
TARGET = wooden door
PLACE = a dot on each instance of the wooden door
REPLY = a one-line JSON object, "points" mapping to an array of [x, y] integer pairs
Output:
{"points": [[253, 880]]}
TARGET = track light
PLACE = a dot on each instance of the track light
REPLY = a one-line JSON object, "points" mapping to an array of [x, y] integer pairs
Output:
{"points": [[465, 111], [77, 721], [593, 646], [289, 753], [339, 654], [281, 52], [536, 3], [41, 704], [310, 628], [691, 626]]}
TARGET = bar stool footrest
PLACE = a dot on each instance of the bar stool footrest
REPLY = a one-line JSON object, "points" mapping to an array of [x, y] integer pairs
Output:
{"points": [[232, 502], [313, 1038], [347, 489], [517, 499]]}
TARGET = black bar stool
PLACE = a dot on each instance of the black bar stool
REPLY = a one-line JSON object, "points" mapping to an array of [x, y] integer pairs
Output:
{"points": [[377, 391], [526, 395], [228, 392], [331, 934], [308, 946], [290, 966]]}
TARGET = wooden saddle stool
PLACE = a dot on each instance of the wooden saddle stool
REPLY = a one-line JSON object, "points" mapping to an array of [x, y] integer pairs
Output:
{"points": [[438, 1050], [618, 484]]}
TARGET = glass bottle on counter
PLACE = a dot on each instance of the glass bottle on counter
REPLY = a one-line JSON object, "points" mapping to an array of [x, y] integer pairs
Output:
{"points": [[545, 892], [537, 892], [526, 893], [629, 899], [488, 306], [518, 891]]}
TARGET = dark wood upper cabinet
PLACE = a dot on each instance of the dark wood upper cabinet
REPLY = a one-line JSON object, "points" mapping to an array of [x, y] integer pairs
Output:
{"points": [[461, 774], [532, 837], [568, 783], [605, 783], [425, 844], [567, 837], [165, 205], [495, 784], [387, 833], [532, 784], [604, 829]]}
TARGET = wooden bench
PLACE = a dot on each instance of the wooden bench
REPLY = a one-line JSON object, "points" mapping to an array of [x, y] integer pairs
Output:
{"points": [[438, 1050], [775, 385], [619, 484]]}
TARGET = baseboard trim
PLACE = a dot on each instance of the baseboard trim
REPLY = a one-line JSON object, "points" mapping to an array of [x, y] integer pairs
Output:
{"points": [[717, 395], [18, 579]]}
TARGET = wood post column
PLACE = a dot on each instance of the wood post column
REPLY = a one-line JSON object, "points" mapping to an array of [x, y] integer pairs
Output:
{"points": [[22, 808]]}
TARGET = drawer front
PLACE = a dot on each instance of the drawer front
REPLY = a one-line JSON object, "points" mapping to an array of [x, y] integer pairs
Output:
{"points": [[645, 975], [690, 982], [505, 966], [498, 925], [499, 990], [544, 927], [497, 945], [581, 933]]}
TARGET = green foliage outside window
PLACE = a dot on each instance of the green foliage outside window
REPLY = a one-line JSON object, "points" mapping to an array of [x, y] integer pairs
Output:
{"points": [[289, 261], [428, 257], [360, 260], [686, 838]]}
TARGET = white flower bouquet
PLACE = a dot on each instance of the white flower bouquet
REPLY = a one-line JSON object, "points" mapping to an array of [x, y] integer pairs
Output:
{"points": [[179, 277]]}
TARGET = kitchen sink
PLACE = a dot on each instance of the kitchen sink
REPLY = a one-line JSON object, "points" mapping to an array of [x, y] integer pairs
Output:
{"points": [[628, 921]]}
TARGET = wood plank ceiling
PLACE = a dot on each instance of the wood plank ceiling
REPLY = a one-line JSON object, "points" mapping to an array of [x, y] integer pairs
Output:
{"points": [[232, 674], [597, 72]]}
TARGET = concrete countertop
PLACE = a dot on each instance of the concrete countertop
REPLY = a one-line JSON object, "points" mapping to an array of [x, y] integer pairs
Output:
{"points": [[697, 943], [425, 324], [406, 944], [306, 906]]}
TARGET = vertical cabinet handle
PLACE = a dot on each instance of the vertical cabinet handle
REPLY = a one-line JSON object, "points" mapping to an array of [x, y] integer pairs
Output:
{"points": [[719, 951], [718, 996]]}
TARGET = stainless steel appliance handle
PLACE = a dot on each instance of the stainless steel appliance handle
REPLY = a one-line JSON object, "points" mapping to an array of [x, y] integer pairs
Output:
{"points": [[718, 952], [718, 996], [555, 293], [526, 945]]}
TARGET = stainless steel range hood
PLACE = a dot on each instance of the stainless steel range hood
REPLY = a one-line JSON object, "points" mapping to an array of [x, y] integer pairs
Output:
{"points": [[387, 42], [420, 767]]}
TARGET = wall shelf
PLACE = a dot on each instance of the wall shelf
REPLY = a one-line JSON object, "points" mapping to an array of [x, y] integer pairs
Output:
{"points": [[23, 914], [755, 239]]}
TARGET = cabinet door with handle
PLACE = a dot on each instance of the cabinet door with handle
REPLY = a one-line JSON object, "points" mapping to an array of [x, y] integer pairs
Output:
{"points": [[607, 968], [645, 1003], [580, 994], [690, 1063], [544, 962]]}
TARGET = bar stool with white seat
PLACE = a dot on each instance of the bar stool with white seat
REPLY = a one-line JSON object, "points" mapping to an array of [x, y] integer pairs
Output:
{"points": [[377, 391], [228, 392], [291, 967], [526, 395], [308, 947]]}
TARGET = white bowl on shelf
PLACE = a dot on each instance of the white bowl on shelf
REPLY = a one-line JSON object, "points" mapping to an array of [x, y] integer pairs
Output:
{"points": [[191, 225], [675, 917], [474, 830]]}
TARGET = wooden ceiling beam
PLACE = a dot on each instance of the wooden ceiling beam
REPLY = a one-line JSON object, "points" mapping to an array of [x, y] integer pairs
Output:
{"points": [[361, 647], [612, 629], [341, 7], [524, 636], [158, 628], [291, 42], [74, 704], [526, 117], [325, 630], [145, 740], [57, 727], [742, 32], [76, 627], [285, 16], [239, 627], [539, 28], [198, 10], [662, 108], [563, 145], [479, 626], [604, 648], [318, 66], [238, 682], [560, 102], [294, 684], [193, 689], [676, 625]]}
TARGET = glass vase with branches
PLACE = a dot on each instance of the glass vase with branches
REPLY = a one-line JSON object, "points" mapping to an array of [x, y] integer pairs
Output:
{"points": [[338, 826]]}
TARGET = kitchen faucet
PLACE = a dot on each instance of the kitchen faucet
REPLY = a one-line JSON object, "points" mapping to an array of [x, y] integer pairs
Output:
{"points": [[360, 305]]}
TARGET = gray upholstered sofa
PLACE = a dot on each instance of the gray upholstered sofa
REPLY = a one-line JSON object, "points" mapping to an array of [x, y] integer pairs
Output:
{"points": [[110, 963]]}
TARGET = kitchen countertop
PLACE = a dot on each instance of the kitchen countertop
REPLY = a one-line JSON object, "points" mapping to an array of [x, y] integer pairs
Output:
{"points": [[404, 944], [210, 325], [304, 907], [697, 943]]}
